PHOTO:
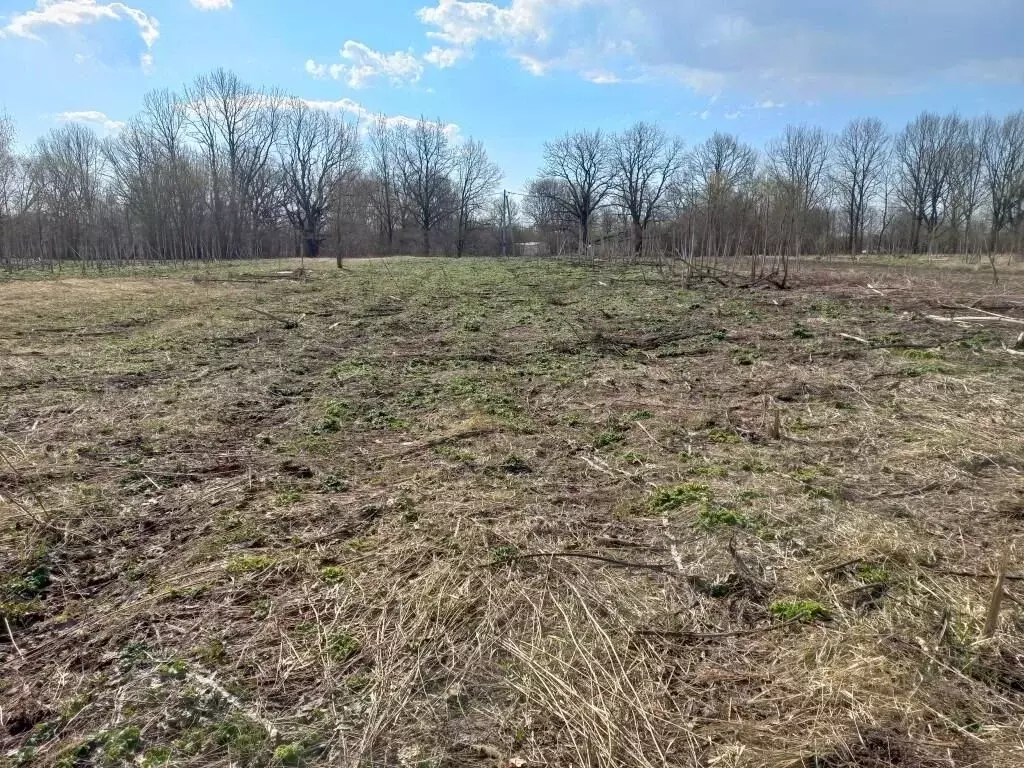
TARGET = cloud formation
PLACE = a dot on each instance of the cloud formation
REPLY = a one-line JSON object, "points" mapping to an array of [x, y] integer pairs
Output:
{"points": [[363, 65], [365, 116], [212, 5], [93, 118], [773, 49], [73, 13]]}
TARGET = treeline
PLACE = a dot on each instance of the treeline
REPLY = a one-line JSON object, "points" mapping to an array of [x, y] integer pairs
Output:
{"points": [[223, 170], [943, 184]]}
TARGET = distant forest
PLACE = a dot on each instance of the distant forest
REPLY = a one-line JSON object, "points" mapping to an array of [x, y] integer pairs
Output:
{"points": [[224, 170]]}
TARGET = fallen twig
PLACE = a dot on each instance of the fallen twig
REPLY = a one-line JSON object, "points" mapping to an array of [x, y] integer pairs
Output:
{"points": [[716, 635], [855, 338], [10, 634], [976, 575], [963, 319], [660, 567]]}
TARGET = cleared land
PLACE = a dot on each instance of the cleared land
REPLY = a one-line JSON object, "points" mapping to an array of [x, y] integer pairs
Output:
{"points": [[437, 513]]}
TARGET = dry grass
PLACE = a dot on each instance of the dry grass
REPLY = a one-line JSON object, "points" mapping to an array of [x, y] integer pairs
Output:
{"points": [[436, 513]]}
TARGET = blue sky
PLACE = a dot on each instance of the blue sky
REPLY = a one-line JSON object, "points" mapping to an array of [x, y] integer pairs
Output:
{"points": [[516, 72]]}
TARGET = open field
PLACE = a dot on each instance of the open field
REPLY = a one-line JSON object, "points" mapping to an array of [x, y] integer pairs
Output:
{"points": [[481, 513]]}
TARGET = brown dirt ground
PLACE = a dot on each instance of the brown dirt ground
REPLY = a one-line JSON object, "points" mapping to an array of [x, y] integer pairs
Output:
{"points": [[438, 513]]}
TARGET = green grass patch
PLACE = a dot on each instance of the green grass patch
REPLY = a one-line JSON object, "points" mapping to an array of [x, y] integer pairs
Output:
{"points": [[666, 499], [249, 564], [711, 517], [290, 754], [342, 646], [799, 610], [333, 574]]}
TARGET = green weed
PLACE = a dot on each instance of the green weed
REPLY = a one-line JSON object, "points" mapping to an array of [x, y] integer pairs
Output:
{"points": [[342, 646], [711, 517], [665, 499], [333, 574], [156, 757], [608, 437], [249, 564], [871, 573], [121, 745], [333, 484], [799, 610], [290, 754]]}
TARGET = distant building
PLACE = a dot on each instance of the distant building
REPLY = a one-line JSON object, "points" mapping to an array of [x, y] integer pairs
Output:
{"points": [[533, 249]]}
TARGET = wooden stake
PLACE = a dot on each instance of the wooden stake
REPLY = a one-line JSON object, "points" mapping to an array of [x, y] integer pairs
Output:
{"points": [[994, 606]]}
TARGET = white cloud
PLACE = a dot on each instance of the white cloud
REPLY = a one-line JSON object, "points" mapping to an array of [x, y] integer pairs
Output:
{"points": [[795, 49], [365, 64], [443, 58], [365, 116], [212, 5], [466, 23], [602, 77], [73, 13], [534, 66], [91, 117], [316, 70]]}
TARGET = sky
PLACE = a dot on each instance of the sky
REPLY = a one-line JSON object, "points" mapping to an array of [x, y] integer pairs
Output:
{"points": [[514, 73]]}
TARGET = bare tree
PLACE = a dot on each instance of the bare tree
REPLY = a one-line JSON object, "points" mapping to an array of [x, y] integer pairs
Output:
{"points": [[721, 165], [578, 164], [71, 167], [1002, 155], [8, 171], [719, 172], [798, 165], [965, 181], [383, 165], [425, 164], [317, 152], [476, 179], [644, 163], [860, 157], [236, 126], [924, 162]]}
